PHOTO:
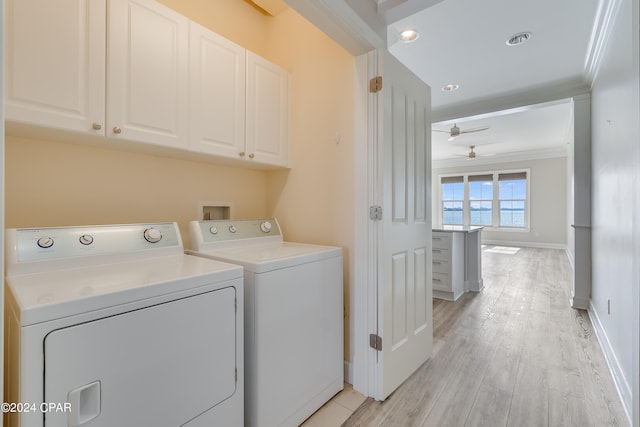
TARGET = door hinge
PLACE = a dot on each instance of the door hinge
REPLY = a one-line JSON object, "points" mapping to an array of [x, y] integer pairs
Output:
{"points": [[375, 342], [375, 213], [375, 84]]}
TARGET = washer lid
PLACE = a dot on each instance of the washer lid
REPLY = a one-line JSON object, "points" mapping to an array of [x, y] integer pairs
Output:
{"points": [[273, 256], [46, 296]]}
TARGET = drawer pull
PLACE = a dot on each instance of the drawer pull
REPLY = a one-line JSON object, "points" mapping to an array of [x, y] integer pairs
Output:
{"points": [[436, 280]]}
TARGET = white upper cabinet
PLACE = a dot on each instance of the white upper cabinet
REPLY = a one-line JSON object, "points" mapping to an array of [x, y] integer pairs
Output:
{"points": [[148, 80], [55, 63], [217, 103], [239, 101], [58, 68], [267, 111], [137, 71]]}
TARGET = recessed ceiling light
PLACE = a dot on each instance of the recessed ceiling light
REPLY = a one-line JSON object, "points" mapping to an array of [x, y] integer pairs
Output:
{"points": [[408, 35], [450, 88], [517, 39]]}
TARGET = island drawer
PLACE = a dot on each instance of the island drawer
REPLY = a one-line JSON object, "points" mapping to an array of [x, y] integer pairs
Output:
{"points": [[441, 282], [441, 266]]}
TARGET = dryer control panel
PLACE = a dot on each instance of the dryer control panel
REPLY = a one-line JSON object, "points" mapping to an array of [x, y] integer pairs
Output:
{"points": [[35, 245], [230, 230]]}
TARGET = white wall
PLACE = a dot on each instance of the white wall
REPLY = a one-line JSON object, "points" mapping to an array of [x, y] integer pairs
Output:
{"points": [[548, 202], [615, 189]]}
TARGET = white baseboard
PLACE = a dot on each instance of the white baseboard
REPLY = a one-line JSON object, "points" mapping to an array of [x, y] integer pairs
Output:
{"points": [[540, 245], [622, 385], [348, 372]]}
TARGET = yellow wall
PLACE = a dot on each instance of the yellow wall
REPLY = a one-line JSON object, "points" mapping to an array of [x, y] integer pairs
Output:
{"points": [[236, 20], [52, 183], [314, 200]]}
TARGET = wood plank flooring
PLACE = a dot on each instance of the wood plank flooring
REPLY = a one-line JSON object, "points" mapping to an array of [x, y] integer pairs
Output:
{"points": [[514, 354]]}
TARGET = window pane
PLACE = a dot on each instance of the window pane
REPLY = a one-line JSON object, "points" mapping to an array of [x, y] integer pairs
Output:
{"points": [[452, 213], [480, 213], [481, 190], [512, 213], [513, 189], [453, 191]]}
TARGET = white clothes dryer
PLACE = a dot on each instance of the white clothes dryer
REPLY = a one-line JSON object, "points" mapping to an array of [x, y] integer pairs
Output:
{"points": [[115, 326], [293, 317]]}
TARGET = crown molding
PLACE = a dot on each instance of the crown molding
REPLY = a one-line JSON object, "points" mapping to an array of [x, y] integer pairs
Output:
{"points": [[550, 153], [607, 10]]}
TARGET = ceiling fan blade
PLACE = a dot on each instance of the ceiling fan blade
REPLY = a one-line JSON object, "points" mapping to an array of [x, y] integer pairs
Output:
{"points": [[474, 130], [440, 130]]}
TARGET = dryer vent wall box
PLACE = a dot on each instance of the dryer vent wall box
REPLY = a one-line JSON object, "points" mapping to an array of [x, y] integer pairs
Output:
{"points": [[293, 317], [118, 325], [214, 210]]}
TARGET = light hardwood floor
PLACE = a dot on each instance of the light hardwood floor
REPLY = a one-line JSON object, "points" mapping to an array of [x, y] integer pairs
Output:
{"points": [[514, 354]]}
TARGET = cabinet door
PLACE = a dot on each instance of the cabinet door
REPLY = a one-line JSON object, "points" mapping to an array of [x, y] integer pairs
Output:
{"points": [[55, 63], [267, 112], [147, 78], [217, 103]]}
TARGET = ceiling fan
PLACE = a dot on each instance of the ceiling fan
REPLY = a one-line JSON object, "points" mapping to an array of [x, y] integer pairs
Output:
{"points": [[472, 154], [455, 131]]}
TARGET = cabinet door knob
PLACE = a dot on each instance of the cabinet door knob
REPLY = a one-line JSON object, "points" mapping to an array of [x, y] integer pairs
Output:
{"points": [[116, 129], [251, 156], [242, 153], [96, 126]]}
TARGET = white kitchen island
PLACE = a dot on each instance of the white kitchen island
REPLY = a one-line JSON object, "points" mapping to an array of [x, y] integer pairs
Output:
{"points": [[456, 261]]}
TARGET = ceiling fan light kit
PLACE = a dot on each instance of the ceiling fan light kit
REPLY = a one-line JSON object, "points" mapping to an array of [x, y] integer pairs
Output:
{"points": [[472, 155]]}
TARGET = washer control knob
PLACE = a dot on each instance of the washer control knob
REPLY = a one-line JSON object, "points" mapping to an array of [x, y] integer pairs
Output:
{"points": [[45, 242], [86, 239], [213, 230], [265, 226], [232, 228], [152, 235]]}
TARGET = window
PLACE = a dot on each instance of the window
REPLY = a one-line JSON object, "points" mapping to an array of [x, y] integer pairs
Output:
{"points": [[490, 199], [452, 200], [480, 200], [513, 195]]}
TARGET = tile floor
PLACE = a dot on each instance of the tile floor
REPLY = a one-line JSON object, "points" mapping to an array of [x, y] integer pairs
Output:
{"points": [[337, 410]]}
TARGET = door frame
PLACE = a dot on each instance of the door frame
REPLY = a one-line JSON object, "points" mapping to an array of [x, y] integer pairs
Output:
{"points": [[364, 301]]}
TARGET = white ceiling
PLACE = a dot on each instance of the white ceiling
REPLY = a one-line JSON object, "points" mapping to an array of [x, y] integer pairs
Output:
{"points": [[464, 42], [539, 131]]}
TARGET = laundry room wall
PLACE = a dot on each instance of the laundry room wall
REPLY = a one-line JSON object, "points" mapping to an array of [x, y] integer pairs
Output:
{"points": [[56, 184], [314, 200]]}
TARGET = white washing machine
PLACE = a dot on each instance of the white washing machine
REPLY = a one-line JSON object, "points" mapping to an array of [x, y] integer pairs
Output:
{"points": [[115, 326], [293, 317]]}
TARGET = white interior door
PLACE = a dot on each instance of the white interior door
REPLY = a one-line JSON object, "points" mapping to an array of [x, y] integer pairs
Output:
{"points": [[404, 254]]}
